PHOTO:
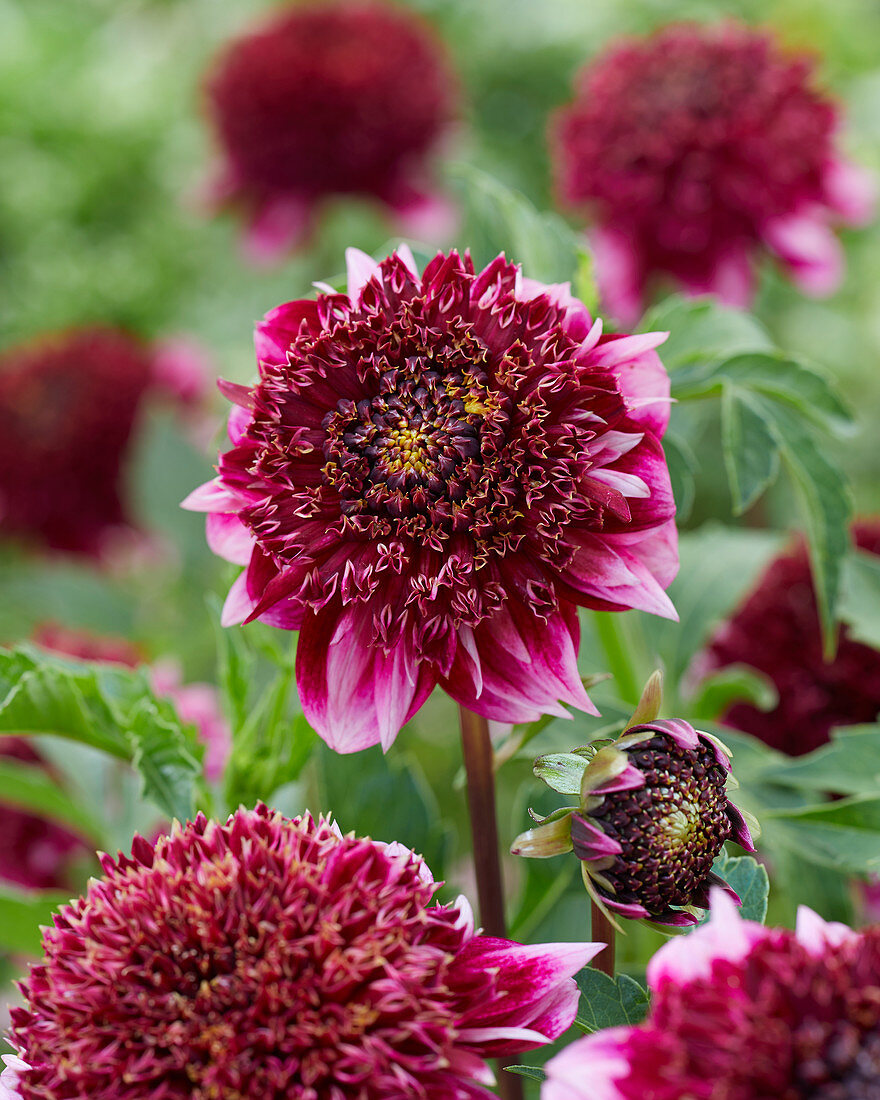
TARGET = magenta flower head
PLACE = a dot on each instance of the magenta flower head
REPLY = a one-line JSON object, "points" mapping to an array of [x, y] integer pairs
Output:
{"points": [[341, 98], [652, 817], [742, 1012], [777, 632], [271, 958], [695, 149], [69, 405], [432, 472]]}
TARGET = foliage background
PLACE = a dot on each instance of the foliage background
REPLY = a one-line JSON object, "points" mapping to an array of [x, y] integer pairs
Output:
{"points": [[102, 154]]}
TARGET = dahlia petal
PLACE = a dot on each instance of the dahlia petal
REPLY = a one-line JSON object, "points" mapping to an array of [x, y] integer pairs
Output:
{"points": [[280, 327], [591, 1066], [485, 1035], [618, 273], [237, 423], [360, 269], [238, 604], [741, 833], [404, 252], [590, 842], [850, 191], [213, 496], [725, 936], [628, 485], [656, 549], [14, 1067], [615, 350], [632, 910], [526, 669], [229, 538], [623, 584], [806, 244], [353, 694], [279, 225], [817, 935], [644, 383]]}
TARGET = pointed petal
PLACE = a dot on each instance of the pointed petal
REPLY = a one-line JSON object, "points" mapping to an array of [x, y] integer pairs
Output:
{"points": [[818, 935], [238, 603], [360, 269], [690, 958], [213, 496], [229, 538], [592, 1067], [353, 694]]}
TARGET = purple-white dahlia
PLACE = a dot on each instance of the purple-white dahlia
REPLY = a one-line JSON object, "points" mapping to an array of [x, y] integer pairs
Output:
{"points": [[346, 97], [698, 147], [69, 406], [653, 815], [431, 474], [742, 1012], [277, 959], [776, 630]]}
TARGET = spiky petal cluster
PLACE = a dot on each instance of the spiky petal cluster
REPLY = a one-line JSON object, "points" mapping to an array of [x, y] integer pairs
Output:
{"points": [[275, 959], [430, 475], [69, 404], [653, 815], [777, 632], [742, 1012], [346, 97], [698, 147]]}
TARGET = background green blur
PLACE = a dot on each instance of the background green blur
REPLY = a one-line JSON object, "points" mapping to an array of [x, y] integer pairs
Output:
{"points": [[102, 153]]}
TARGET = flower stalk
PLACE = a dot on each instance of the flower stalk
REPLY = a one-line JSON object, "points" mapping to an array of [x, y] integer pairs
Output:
{"points": [[603, 930]]}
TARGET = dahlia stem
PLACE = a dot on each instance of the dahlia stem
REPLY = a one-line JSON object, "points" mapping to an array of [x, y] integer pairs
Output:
{"points": [[479, 768], [602, 931]]}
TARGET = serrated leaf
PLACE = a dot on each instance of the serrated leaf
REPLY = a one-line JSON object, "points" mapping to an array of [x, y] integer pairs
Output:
{"points": [[108, 707], [792, 382], [848, 765], [749, 878], [532, 1072], [749, 446], [843, 835], [702, 333], [609, 1002], [21, 915]]}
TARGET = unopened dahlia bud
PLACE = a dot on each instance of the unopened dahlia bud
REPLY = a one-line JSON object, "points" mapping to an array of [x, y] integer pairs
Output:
{"points": [[339, 98], [653, 816], [276, 959], [698, 148]]}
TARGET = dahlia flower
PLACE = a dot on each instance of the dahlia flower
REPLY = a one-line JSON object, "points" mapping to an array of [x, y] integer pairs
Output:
{"points": [[430, 475], [653, 816], [346, 97], [698, 147], [777, 632], [280, 960], [69, 404], [742, 1012]]}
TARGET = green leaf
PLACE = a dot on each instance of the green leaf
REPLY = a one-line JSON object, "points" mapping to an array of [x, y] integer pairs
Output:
{"points": [[108, 707], [848, 765], [22, 913], [30, 788], [791, 382], [531, 1072], [749, 879], [859, 604], [563, 771], [609, 1002], [843, 835], [749, 446], [682, 464], [500, 219], [702, 333], [735, 683]]}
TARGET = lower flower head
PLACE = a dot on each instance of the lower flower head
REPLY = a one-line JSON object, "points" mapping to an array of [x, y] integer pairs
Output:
{"points": [[431, 473], [347, 97], [742, 1012], [776, 631], [277, 959], [695, 148]]}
